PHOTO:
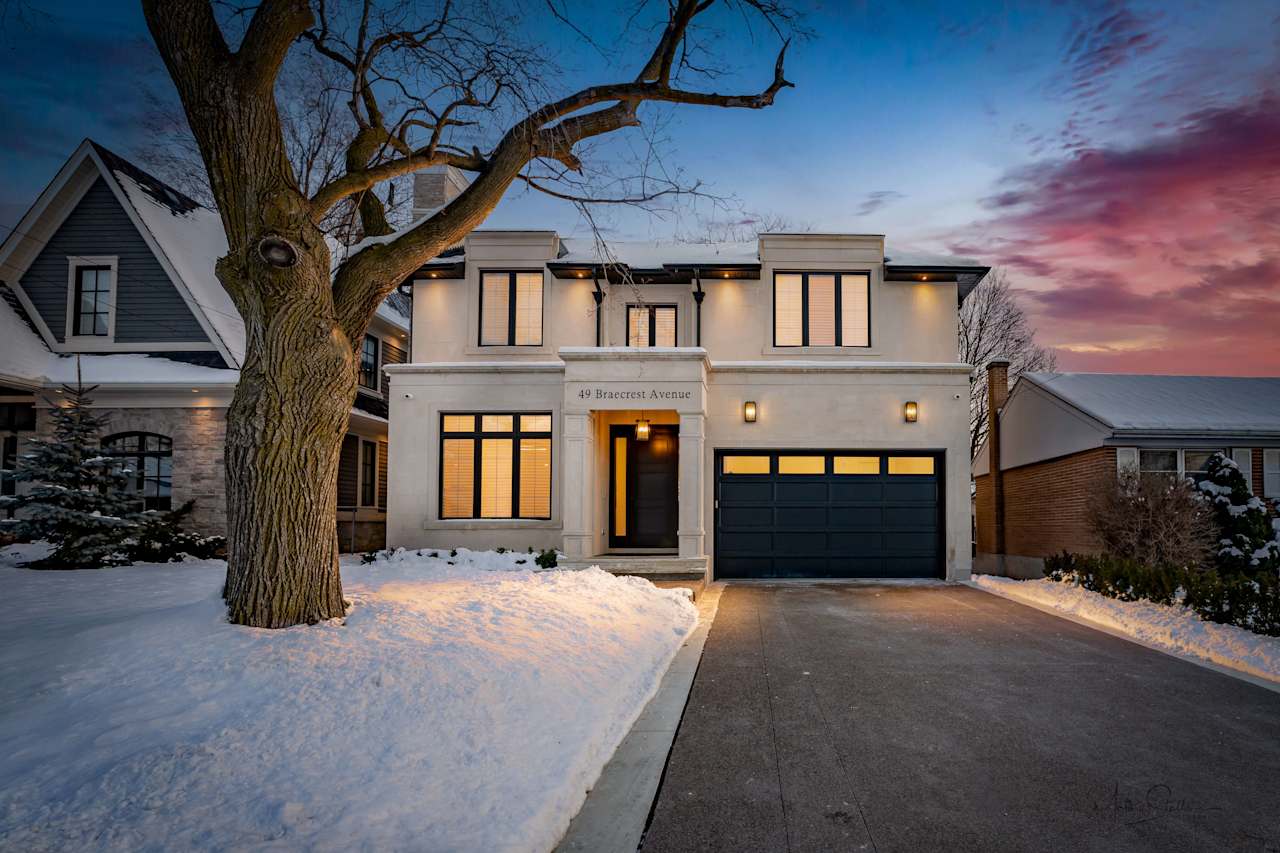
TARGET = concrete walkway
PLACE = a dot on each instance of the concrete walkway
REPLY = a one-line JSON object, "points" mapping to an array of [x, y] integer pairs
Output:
{"points": [[900, 718]]}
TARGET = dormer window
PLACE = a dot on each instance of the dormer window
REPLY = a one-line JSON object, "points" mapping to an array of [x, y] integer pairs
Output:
{"points": [[369, 363], [651, 325], [91, 301], [511, 309], [821, 309]]}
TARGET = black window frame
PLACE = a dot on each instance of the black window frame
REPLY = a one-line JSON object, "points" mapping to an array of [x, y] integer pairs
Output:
{"points": [[368, 488], [372, 373], [8, 462], [138, 455], [512, 275], [477, 434], [17, 417], [101, 300], [653, 326], [804, 308]]}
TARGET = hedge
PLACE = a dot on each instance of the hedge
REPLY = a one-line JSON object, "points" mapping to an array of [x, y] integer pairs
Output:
{"points": [[1252, 603]]}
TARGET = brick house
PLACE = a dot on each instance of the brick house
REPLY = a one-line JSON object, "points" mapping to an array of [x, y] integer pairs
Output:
{"points": [[111, 274], [1058, 436]]}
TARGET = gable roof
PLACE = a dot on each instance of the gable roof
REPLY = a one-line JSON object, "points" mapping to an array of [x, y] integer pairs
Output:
{"points": [[1183, 404]]}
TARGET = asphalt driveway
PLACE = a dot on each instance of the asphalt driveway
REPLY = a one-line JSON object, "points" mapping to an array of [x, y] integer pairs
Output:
{"points": [[836, 717]]}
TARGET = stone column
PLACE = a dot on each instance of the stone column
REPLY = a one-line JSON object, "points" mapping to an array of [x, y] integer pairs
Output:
{"points": [[577, 484], [692, 530]]}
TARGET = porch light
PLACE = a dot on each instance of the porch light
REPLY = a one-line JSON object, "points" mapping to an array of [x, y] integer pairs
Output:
{"points": [[910, 411], [642, 430], [749, 411]]}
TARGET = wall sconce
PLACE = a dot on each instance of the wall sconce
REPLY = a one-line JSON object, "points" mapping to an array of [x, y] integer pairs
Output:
{"points": [[910, 411], [749, 411], [642, 430]]}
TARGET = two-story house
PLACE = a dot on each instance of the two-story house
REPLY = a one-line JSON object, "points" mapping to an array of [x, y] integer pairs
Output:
{"points": [[790, 407], [110, 276]]}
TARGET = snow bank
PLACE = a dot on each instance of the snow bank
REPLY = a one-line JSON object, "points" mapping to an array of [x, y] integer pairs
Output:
{"points": [[1175, 629], [460, 707]]}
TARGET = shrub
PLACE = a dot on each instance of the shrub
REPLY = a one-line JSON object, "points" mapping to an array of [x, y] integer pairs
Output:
{"points": [[547, 559], [1247, 540], [1248, 602], [159, 538], [1153, 518]]}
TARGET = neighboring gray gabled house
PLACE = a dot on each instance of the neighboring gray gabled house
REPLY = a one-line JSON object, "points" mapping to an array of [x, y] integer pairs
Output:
{"points": [[1058, 436], [113, 270]]}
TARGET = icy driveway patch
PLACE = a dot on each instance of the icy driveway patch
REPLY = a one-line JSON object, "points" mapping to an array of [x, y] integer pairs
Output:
{"points": [[1174, 629], [459, 707]]}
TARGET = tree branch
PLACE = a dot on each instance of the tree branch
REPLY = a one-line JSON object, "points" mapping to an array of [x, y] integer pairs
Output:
{"points": [[275, 26]]}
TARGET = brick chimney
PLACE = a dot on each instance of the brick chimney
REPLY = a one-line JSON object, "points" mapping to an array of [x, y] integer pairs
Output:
{"points": [[434, 187], [997, 394]]}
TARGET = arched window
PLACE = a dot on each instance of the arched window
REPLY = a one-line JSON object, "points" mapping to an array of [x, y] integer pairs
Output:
{"points": [[149, 459]]}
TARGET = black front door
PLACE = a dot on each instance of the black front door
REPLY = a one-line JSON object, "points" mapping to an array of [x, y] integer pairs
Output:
{"points": [[643, 478]]}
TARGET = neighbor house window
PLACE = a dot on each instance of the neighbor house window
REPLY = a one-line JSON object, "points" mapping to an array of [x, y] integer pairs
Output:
{"points": [[1175, 463], [826, 309], [147, 459], [651, 325], [1271, 473], [511, 309], [495, 465], [361, 472], [8, 462], [368, 472], [17, 416], [369, 362], [91, 301]]}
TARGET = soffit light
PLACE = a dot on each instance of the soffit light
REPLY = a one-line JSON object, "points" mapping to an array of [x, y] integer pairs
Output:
{"points": [[910, 411], [642, 430]]}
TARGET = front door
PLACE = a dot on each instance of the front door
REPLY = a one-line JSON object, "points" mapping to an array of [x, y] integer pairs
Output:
{"points": [[643, 479]]}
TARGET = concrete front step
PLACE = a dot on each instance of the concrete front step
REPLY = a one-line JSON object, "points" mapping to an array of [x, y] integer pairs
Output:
{"points": [[651, 567]]}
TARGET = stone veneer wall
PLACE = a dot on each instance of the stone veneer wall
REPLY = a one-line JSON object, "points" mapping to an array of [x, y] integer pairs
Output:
{"points": [[198, 436]]}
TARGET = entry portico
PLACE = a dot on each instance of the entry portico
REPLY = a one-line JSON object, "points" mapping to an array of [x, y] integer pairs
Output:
{"points": [[608, 388]]}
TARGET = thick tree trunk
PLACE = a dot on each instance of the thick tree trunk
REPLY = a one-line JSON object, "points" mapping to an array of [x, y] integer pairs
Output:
{"points": [[284, 434]]}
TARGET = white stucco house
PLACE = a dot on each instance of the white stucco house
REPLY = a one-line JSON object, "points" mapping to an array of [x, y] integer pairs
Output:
{"points": [[790, 407]]}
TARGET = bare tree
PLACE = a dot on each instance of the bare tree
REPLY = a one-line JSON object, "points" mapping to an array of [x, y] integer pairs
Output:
{"points": [[1158, 519], [993, 325], [742, 227], [432, 88]]}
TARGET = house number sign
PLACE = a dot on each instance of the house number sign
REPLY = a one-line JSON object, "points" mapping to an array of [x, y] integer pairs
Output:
{"points": [[597, 393]]}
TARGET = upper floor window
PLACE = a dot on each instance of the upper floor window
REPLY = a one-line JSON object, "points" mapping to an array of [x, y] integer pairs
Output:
{"points": [[369, 362], [651, 325], [812, 309], [147, 458], [511, 308], [91, 311]]}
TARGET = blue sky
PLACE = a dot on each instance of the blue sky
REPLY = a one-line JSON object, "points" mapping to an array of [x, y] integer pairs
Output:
{"points": [[947, 126]]}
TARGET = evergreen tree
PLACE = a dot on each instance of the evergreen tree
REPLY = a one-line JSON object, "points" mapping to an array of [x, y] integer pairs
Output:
{"points": [[1247, 540], [78, 500]]}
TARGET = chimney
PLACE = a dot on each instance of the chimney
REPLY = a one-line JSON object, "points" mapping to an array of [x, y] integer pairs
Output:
{"points": [[997, 394], [434, 187]]}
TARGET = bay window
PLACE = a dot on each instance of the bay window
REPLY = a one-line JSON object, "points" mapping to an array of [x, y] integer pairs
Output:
{"points": [[495, 465], [511, 308], [651, 325], [821, 309]]}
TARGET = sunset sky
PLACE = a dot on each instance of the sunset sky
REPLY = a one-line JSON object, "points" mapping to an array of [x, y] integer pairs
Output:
{"points": [[1121, 160]]}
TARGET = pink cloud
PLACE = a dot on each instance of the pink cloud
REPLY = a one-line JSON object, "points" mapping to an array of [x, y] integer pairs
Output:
{"points": [[1164, 255]]}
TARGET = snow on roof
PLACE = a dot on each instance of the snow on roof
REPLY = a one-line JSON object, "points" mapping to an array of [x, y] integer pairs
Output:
{"points": [[1170, 403], [653, 255], [24, 356], [914, 258]]}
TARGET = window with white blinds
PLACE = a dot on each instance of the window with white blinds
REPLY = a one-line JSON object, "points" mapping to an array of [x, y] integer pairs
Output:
{"points": [[1271, 473], [511, 308], [821, 309], [651, 325], [495, 465]]}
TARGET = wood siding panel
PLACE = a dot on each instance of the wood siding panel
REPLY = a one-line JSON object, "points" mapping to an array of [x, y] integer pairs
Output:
{"points": [[149, 308], [349, 471]]}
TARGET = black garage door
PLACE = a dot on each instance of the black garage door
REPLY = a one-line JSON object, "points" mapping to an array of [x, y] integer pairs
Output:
{"points": [[828, 514]]}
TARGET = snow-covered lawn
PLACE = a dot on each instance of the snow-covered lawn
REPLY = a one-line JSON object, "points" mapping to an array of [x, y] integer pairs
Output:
{"points": [[1176, 629], [460, 707]]}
